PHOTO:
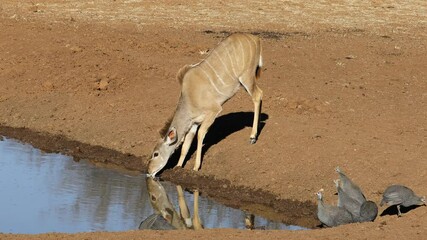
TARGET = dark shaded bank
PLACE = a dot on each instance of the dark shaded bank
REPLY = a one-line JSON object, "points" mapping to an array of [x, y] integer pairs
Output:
{"points": [[61, 144], [258, 201]]}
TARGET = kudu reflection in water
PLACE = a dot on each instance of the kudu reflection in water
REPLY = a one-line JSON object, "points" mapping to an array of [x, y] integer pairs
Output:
{"points": [[167, 218]]}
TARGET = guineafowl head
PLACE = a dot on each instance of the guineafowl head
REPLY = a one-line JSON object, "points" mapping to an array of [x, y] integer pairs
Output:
{"points": [[415, 200], [320, 195]]}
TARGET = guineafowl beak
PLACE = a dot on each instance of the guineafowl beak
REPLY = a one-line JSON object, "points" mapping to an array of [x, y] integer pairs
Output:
{"points": [[423, 199]]}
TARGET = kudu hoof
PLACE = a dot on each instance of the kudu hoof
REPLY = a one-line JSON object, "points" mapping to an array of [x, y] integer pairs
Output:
{"points": [[252, 140]]}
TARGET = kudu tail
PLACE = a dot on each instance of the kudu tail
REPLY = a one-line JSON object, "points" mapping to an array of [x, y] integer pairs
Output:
{"points": [[258, 68]]}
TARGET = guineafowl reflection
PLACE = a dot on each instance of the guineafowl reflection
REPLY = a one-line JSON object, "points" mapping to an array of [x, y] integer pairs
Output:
{"points": [[166, 217]]}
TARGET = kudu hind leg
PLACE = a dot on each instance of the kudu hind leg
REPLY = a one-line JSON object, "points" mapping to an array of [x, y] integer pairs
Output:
{"points": [[257, 99], [255, 92]]}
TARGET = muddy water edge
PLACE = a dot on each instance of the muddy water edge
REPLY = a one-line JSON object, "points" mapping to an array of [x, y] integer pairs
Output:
{"points": [[258, 201]]}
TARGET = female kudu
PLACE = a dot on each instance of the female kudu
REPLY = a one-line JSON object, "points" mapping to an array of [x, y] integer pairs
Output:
{"points": [[205, 87]]}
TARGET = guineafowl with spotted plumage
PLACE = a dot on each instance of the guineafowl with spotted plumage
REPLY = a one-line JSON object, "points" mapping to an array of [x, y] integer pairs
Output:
{"points": [[401, 196], [351, 197], [331, 216], [350, 188]]}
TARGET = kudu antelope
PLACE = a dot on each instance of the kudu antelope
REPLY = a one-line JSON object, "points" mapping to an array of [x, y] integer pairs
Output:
{"points": [[165, 216], [205, 86], [168, 217]]}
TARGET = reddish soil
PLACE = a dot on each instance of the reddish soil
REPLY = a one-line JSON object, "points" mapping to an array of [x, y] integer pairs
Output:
{"points": [[344, 85]]}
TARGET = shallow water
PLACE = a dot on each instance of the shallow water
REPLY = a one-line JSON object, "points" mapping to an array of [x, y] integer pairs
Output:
{"points": [[43, 192]]}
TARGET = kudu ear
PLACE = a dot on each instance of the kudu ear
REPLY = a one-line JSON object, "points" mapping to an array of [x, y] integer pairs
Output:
{"points": [[171, 137]]}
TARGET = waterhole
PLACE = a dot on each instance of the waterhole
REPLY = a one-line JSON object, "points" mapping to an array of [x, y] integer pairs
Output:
{"points": [[45, 192]]}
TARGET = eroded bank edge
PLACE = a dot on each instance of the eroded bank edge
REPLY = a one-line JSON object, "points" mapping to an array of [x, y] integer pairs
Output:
{"points": [[257, 201]]}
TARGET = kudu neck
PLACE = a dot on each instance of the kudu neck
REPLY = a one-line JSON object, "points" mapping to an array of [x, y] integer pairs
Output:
{"points": [[181, 121]]}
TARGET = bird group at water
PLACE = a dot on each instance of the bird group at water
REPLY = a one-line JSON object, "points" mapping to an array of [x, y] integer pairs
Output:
{"points": [[354, 207]]}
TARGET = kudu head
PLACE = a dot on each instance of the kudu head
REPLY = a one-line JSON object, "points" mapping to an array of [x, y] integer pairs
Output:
{"points": [[162, 151]]}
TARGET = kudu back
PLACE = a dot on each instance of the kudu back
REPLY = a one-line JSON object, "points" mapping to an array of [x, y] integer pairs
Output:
{"points": [[205, 86]]}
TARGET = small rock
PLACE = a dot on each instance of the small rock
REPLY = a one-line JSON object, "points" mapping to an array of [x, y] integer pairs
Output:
{"points": [[34, 8], [48, 85], [103, 85], [317, 136], [77, 150], [75, 49]]}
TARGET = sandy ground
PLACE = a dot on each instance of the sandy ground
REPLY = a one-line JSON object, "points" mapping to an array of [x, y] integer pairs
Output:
{"points": [[344, 85]]}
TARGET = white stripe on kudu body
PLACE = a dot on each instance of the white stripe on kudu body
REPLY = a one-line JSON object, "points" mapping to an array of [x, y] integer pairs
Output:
{"points": [[205, 87], [224, 66], [216, 74], [213, 82]]}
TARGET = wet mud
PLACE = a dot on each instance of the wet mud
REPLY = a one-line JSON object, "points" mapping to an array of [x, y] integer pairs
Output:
{"points": [[257, 201]]}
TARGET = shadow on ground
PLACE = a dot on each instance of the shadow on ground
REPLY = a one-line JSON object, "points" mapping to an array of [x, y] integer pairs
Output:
{"points": [[223, 127], [392, 210]]}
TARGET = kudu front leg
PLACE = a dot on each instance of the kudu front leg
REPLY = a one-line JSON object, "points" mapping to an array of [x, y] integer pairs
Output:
{"points": [[186, 145], [197, 223], [183, 208], [207, 122]]}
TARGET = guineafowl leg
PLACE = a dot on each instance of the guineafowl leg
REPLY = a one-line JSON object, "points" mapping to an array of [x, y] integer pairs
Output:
{"points": [[399, 214]]}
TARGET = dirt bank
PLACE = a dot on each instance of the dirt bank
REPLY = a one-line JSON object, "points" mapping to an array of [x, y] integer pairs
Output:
{"points": [[344, 85]]}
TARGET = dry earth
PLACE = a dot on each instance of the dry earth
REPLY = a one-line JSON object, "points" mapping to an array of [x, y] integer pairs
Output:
{"points": [[344, 85]]}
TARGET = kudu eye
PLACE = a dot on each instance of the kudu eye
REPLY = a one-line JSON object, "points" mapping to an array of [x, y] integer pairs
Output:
{"points": [[155, 154]]}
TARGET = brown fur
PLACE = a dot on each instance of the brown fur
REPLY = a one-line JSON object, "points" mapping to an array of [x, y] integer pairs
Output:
{"points": [[179, 76], [182, 72], [164, 130], [207, 85]]}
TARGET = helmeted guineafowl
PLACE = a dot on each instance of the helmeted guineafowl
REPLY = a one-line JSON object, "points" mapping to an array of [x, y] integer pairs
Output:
{"points": [[350, 188], [346, 202], [352, 199], [400, 195], [331, 216]]}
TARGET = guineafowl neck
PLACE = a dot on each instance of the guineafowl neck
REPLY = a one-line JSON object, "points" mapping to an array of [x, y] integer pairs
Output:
{"points": [[415, 200], [420, 201], [320, 203]]}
